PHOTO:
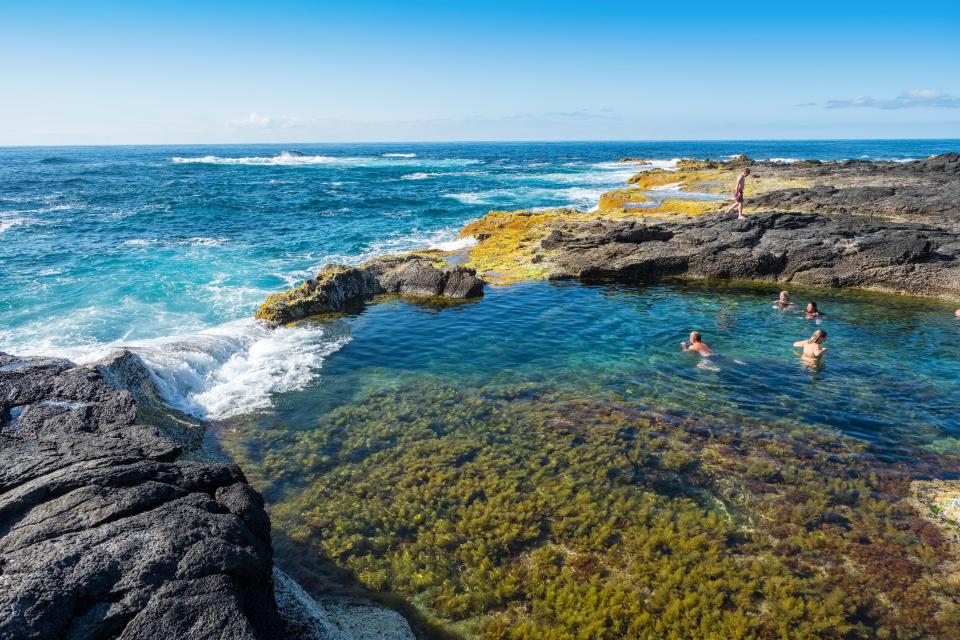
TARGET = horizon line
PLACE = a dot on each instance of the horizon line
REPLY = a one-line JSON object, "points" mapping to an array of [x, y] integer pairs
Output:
{"points": [[468, 141]]}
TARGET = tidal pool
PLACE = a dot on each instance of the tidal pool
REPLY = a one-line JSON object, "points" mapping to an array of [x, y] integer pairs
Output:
{"points": [[546, 463]]}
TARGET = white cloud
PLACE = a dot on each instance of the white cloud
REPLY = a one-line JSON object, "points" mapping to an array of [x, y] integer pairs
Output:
{"points": [[906, 100], [262, 121]]}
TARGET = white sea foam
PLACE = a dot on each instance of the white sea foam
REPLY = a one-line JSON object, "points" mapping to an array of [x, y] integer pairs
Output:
{"points": [[204, 241], [9, 223], [559, 197], [196, 241], [399, 243], [287, 158], [236, 367], [673, 186], [283, 158], [455, 245], [399, 155], [647, 165], [470, 197], [783, 160], [419, 175], [223, 371]]}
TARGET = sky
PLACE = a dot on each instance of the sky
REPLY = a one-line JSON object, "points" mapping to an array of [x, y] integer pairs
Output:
{"points": [[246, 72]]}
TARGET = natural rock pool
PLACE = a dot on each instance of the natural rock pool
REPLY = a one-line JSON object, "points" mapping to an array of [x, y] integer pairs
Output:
{"points": [[546, 463]]}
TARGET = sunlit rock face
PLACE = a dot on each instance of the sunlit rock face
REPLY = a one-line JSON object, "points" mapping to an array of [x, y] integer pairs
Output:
{"points": [[804, 249], [341, 288], [104, 532]]}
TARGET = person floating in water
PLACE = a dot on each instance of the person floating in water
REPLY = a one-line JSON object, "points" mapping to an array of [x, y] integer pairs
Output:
{"points": [[784, 300], [696, 344], [813, 311], [957, 313], [738, 194], [811, 347]]}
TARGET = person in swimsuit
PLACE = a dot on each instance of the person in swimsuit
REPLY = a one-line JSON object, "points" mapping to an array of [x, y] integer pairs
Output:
{"points": [[811, 347], [784, 300], [738, 194], [813, 311], [696, 344]]}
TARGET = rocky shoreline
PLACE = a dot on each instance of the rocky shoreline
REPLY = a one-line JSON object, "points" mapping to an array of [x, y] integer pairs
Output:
{"points": [[108, 528], [113, 526], [791, 248], [884, 226]]}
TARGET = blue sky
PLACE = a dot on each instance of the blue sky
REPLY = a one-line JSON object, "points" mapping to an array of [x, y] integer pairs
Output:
{"points": [[204, 72]]}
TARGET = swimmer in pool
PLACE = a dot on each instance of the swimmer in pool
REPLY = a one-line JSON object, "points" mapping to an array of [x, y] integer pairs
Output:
{"points": [[813, 311], [784, 300], [811, 347], [696, 344]]}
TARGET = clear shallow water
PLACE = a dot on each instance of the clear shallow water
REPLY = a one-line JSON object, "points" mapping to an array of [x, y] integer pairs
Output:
{"points": [[171, 249], [891, 376], [520, 465]]}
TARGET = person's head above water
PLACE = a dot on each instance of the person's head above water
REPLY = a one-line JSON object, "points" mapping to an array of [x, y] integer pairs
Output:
{"points": [[695, 337], [812, 308], [784, 296], [819, 336]]}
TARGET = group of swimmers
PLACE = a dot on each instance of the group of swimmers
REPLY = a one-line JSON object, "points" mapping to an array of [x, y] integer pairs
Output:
{"points": [[811, 348]]}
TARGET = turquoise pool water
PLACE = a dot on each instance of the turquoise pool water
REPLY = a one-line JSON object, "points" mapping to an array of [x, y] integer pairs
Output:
{"points": [[891, 376], [446, 451]]}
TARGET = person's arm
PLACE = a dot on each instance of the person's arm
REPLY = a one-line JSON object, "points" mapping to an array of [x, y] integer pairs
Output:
{"points": [[821, 350], [683, 346], [799, 344]]}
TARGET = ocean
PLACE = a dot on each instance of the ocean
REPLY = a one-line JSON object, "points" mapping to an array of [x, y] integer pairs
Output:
{"points": [[170, 249]]}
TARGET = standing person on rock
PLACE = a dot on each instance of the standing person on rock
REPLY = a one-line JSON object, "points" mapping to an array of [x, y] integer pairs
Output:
{"points": [[738, 194]]}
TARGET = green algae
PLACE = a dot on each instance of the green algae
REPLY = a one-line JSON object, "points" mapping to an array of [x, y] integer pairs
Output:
{"points": [[527, 511]]}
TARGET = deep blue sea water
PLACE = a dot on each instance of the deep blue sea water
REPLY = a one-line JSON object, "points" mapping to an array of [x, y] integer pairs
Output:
{"points": [[171, 249]]}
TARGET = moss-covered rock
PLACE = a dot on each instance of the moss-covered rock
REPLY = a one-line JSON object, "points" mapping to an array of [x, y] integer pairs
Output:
{"points": [[340, 288]]}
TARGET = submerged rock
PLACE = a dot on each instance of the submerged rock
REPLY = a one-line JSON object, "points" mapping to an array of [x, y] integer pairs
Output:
{"points": [[939, 502], [340, 287], [343, 619]]}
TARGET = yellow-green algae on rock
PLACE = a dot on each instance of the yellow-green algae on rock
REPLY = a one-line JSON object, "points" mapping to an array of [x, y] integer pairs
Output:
{"points": [[508, 248], [523, 511], [338, 288]]}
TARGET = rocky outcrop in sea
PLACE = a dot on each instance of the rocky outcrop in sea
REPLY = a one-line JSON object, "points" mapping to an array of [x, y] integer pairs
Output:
{"points": [[340, 287]]}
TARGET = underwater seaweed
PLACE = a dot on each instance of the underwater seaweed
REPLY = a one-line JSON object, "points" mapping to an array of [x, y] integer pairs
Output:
{"points": [[527, 511]]}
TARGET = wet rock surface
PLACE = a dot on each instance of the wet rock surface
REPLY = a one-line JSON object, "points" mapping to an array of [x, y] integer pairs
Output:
{"points": [[341, 288], [103, 532], [809, 249], [106, 531]]}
